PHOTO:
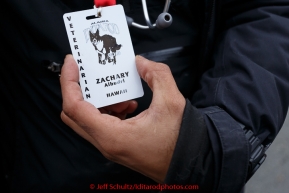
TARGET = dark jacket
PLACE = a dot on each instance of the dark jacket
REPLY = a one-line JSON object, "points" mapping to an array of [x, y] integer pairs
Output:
{"points": [[229, 59]]}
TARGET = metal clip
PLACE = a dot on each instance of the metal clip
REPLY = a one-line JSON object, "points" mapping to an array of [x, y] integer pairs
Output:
{"points": [[52, 66], [98, 11]]}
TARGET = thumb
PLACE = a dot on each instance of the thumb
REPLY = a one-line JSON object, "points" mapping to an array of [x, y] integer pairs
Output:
{"points": [[159, 78]]}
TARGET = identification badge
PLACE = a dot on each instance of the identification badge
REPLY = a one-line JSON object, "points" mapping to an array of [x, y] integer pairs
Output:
{"points": [[103, 50]]}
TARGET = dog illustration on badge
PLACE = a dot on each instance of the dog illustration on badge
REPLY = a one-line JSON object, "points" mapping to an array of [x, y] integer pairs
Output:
{"points": [[106, 47]]}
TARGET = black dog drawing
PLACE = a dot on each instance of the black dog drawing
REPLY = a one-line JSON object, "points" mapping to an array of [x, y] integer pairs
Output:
{"points": [[105, 45]]}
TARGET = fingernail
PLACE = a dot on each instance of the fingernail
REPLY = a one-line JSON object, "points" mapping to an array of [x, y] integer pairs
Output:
{"points": [[68, 56], [139, 57]]}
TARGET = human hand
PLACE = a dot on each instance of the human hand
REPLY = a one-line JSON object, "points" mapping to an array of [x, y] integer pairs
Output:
{"points": [[144, 143]]}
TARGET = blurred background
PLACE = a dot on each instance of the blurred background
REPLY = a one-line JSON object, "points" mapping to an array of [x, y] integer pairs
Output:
{"points": [[273, 175]]}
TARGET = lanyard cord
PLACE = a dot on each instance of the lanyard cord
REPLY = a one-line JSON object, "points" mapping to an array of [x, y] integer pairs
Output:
{"points": [[103, 3]]}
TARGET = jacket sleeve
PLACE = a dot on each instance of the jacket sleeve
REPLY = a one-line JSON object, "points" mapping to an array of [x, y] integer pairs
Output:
{"points": [[248, 84]]}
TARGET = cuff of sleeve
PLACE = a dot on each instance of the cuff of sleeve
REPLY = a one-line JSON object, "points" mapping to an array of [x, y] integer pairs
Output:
{"points": [[192, 161], [221, 167], [231, 152]]}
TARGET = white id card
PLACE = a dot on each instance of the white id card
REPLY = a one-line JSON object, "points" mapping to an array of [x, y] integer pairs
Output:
{"points": [[103, 50]]}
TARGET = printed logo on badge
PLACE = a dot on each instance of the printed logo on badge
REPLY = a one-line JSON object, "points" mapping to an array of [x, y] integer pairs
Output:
{"points": [[102, 48]]}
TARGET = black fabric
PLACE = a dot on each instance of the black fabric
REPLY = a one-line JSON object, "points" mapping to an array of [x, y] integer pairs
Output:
{"points": [[251, 56], [248, 80]]}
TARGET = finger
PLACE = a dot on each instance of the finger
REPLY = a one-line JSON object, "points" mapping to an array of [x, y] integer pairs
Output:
{"points": [[160, 79], [120, 110], [101, 127], [69, 80], [71, 92], [101, 142], [157, 75], [80, 114], [73, 104], [78, 129], [124, 107], [121, 116]]}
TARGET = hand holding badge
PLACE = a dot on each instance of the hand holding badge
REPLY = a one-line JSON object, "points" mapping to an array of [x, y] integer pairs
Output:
{"points": [[144, 143]]}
